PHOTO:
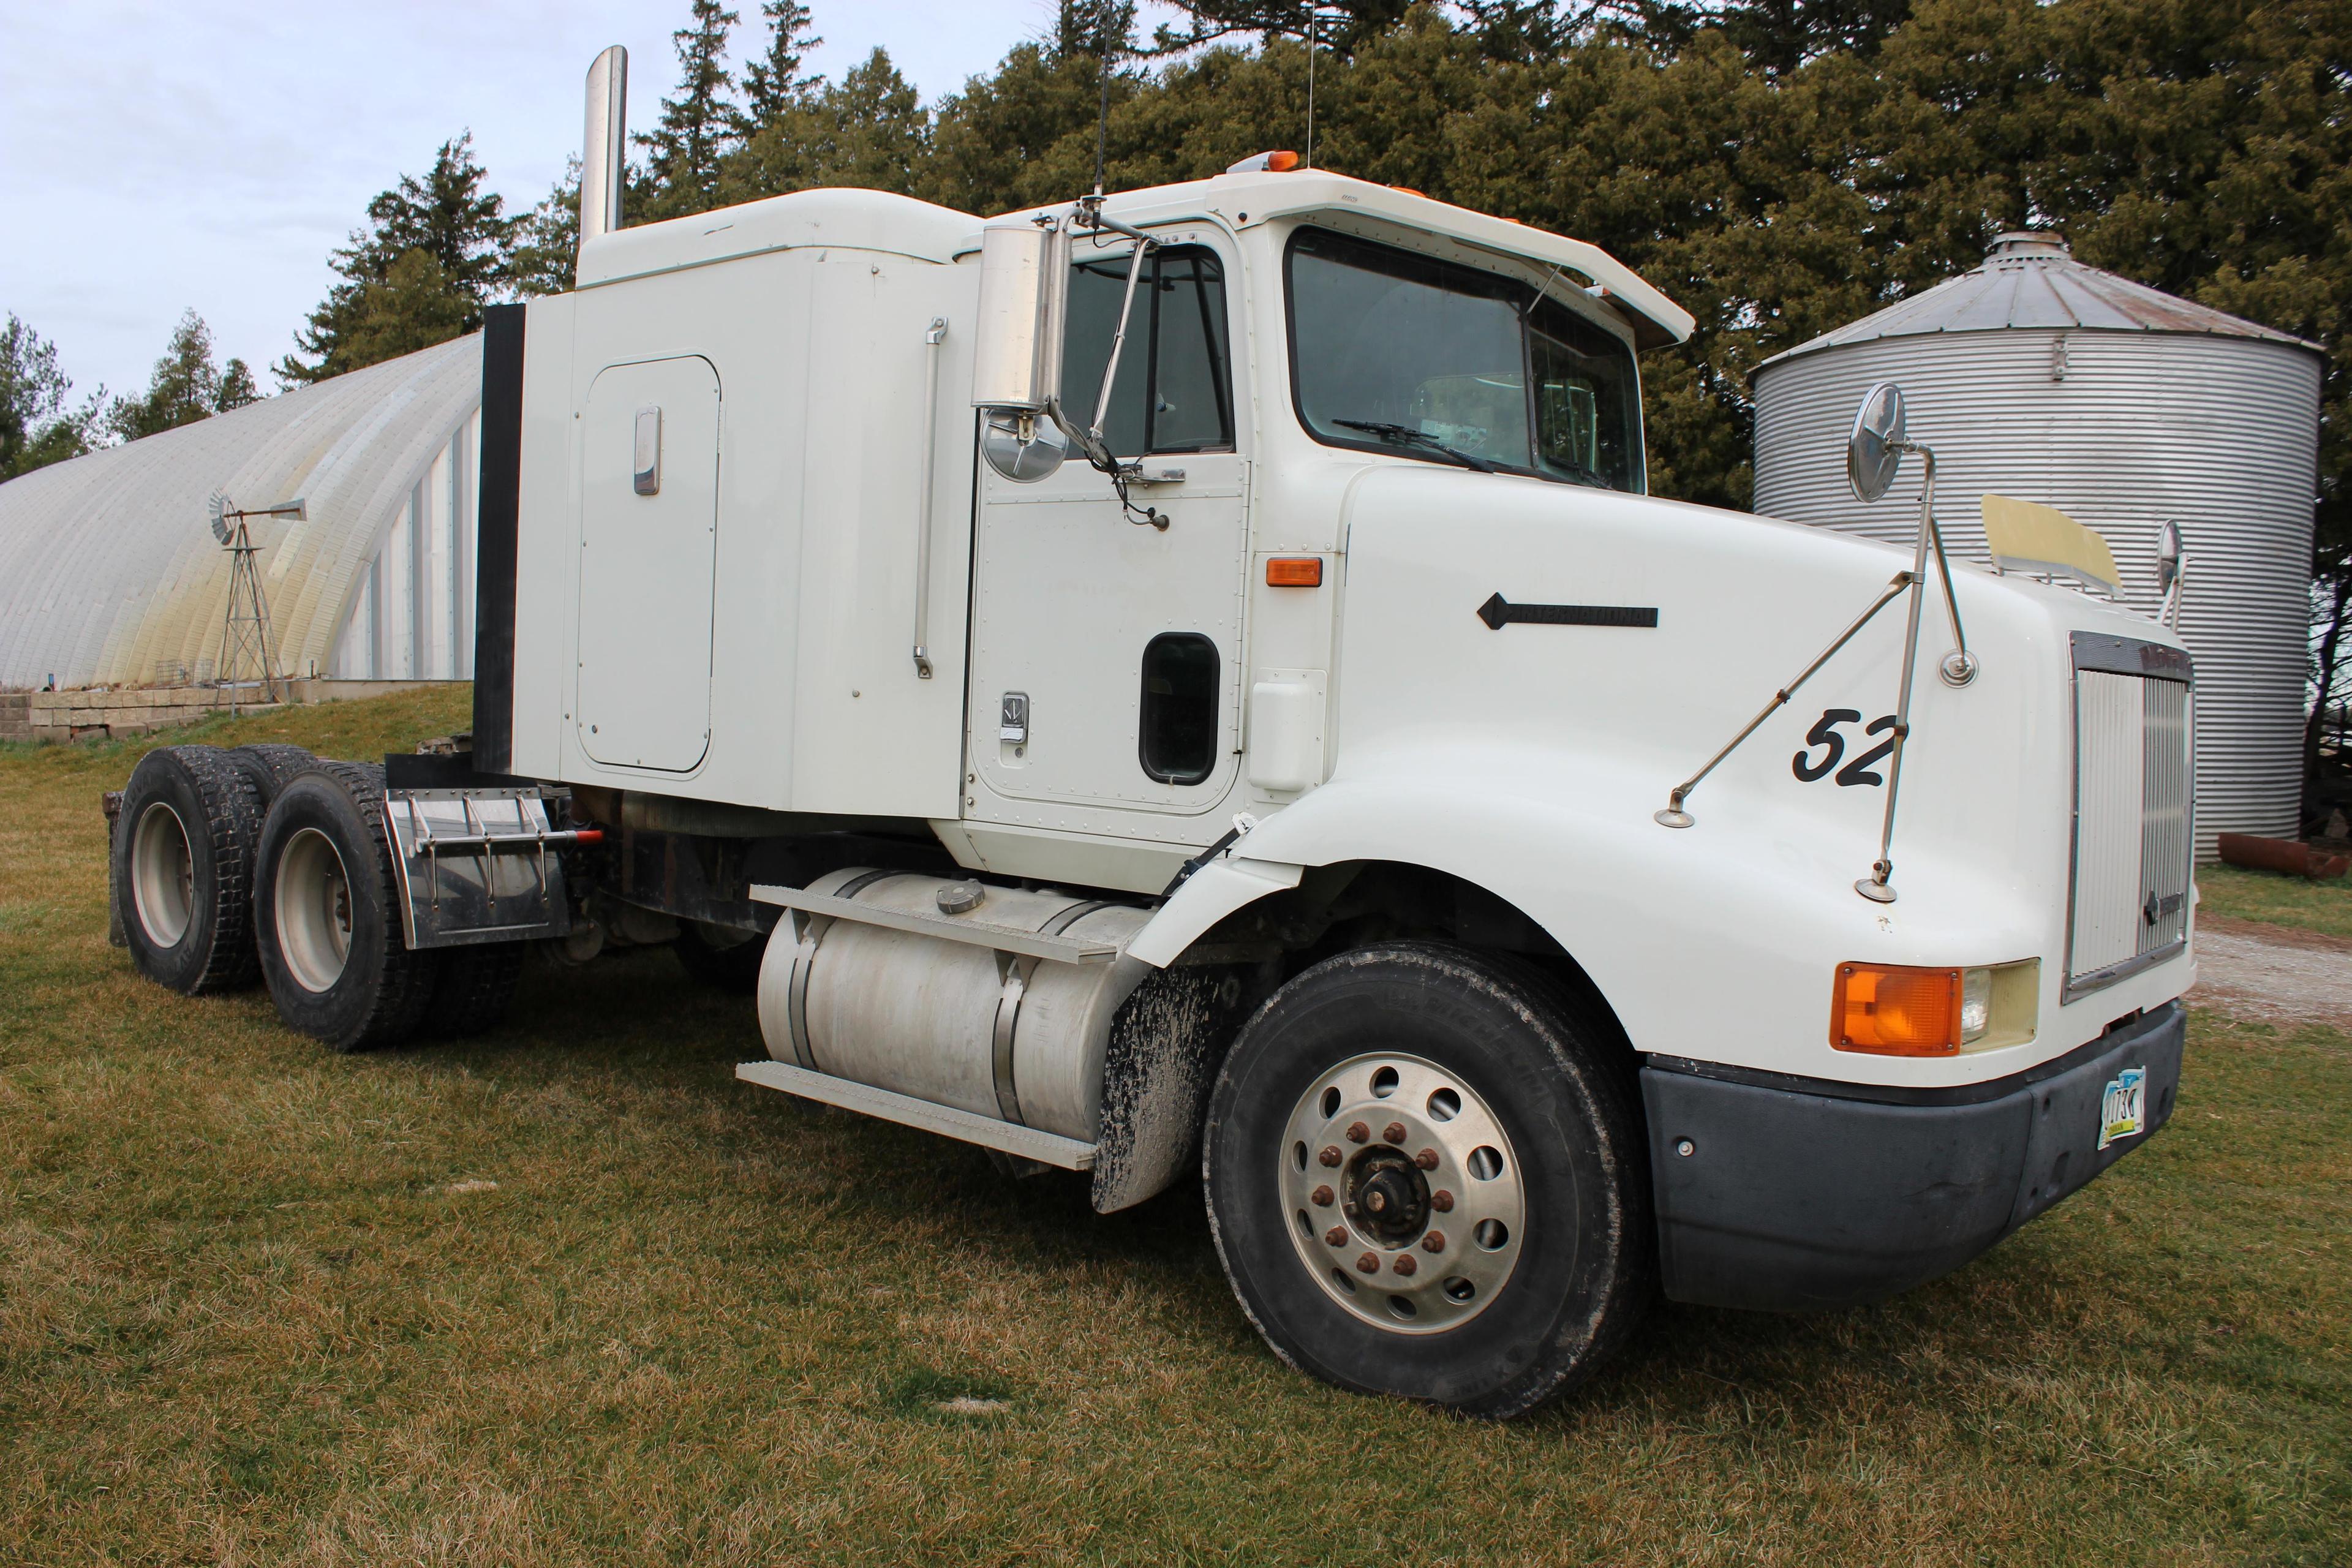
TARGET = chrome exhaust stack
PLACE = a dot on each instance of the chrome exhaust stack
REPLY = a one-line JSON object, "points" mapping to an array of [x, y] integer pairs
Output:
{"points": [[604, 148]]}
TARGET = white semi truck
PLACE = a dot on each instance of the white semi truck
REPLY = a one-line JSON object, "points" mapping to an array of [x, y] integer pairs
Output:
{"points": [[1192, 678]]}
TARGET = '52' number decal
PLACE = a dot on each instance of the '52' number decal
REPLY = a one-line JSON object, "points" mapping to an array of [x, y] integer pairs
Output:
{"points": [[1824, 733]]}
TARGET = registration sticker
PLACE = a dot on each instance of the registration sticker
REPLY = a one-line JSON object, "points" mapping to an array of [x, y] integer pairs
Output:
{"points": [[2122, 1108]]}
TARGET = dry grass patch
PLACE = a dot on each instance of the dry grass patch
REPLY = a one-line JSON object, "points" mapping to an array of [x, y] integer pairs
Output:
{"points": [[569, 1294]]}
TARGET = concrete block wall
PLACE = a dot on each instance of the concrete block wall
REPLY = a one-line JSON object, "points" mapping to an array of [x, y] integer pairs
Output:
{"points": [[138, 711]]}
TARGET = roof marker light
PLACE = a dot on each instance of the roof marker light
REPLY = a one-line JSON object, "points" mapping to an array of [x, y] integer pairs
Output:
{"points": [[1265, 164]]}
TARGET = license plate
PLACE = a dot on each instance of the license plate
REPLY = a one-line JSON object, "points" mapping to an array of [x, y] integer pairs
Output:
{"points": [[2122, 1108]]}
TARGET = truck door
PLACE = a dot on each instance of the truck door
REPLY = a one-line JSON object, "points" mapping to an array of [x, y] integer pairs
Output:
{"points": [[1107, 653]]}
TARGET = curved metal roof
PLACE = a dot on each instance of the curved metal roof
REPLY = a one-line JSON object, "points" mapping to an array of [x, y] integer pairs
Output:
{"points": [[2032, 280], [109, 570]]}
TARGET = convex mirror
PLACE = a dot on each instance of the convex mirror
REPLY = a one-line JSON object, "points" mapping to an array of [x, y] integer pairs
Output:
{"points": [[1023, 447], [1874, 453], [2167, 556]]}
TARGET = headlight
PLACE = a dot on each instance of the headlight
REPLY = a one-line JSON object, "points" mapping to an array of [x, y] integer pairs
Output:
{"points": [[1904, 1010]]}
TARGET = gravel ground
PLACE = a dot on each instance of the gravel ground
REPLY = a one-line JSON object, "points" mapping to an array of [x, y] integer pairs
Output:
{"points": [[2275, 974]]}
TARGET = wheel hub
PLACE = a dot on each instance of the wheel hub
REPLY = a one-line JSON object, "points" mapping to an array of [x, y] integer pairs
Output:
{"points": [[1403, 1191]]}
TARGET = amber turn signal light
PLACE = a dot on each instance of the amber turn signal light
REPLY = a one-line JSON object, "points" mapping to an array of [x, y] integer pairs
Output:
{"points": [[1892, 1010], [1294, 572]]}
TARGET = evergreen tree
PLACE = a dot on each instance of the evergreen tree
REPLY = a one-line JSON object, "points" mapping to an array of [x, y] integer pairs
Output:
{"points": [[186, 387], [773, 83], [546, 255], [869, 132], [449, 219], [36, 428], [698, 126]]}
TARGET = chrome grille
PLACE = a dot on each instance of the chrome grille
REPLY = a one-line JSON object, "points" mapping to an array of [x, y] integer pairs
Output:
{"points": [[2134, 809]]}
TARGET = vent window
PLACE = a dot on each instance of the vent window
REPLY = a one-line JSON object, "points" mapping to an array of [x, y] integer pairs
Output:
{"points": [[1178, 731]]}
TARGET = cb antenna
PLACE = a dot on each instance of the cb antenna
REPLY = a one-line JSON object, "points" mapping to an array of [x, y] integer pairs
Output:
{"points": [[1102, 70]]}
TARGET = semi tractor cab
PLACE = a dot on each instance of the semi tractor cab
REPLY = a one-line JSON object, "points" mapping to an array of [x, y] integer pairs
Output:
{"points": [[1192, 678]]}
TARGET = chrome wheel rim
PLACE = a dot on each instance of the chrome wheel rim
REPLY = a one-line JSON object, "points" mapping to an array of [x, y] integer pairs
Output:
{"points": [[314, 910], [162, 875], [1401, 1193]]}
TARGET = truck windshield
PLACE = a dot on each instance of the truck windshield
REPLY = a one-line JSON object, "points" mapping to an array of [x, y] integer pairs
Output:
{"points": [[1391, 350]]}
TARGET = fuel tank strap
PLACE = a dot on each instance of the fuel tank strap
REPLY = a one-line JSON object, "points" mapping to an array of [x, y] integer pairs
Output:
{"points": [[813, 931], [948, 928]]}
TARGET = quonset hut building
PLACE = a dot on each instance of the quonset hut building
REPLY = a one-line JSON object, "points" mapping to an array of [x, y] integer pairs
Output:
{"points": [[109, 574]]}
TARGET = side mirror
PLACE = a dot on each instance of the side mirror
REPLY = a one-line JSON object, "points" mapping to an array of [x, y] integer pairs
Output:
{"points": [[1023, 447], [1025, 284], [1874, 453], [2168, 557]]}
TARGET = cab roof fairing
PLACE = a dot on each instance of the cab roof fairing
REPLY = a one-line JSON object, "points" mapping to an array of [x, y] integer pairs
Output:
{"points": [[1247, 200]]}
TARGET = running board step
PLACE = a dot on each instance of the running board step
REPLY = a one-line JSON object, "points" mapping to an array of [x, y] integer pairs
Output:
{"points": [[1029, 1142]]}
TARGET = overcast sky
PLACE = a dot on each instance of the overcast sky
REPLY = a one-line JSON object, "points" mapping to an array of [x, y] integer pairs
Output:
{"points": [[210, 152]]}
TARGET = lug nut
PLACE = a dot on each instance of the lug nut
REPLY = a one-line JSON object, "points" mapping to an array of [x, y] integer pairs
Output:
{"points": [[1404, 1264], [1337, 1235], [1331, 1155], [1393, 1132], [1442, 1200], [1368, 1264], [1426, 1159], [1358, 1133], [1320, 1197], [1433, 1242]]}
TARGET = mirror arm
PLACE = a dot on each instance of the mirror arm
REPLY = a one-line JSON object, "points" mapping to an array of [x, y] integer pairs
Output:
{"points": [[1675, 815]]}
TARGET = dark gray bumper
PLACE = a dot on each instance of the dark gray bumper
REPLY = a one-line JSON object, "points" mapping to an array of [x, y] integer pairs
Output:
{"points": [[1800, 1194]]}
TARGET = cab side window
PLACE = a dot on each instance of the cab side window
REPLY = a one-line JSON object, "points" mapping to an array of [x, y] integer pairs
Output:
{"points": [[1175, 381]]}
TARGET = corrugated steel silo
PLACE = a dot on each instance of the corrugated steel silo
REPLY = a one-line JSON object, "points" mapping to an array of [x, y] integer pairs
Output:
{"points": [[2039, 377]]}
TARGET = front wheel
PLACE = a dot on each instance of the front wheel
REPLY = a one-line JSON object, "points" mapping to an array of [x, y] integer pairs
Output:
{"points": [[1426, 1177]]}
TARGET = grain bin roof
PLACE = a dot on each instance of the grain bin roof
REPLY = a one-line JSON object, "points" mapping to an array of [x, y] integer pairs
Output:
{"points": [[2032, 281], [109, 573]]}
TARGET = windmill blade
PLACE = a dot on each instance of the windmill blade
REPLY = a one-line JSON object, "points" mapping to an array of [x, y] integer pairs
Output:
{"points": [[219, 508]]}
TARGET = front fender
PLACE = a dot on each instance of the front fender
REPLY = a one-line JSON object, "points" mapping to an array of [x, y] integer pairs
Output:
{"points": [[1716, 943]]}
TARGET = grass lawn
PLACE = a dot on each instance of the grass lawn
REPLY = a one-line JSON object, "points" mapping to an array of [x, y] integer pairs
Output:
{"points": [[2281, 900], [568, 1293]]}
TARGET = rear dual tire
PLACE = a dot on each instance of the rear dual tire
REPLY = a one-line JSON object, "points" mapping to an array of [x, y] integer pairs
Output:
{"points": [[183, 869], [331, 943]]}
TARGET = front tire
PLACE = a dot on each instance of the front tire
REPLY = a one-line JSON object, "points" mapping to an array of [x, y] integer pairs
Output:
{"points": [[331, 948], [1426, 1177]]}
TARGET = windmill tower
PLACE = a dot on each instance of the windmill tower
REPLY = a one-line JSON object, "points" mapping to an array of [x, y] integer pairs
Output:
{"points": [[244, 632]]}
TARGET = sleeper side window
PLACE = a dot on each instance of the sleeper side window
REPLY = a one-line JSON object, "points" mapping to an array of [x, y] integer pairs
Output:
{"points": [[1175, 379]]}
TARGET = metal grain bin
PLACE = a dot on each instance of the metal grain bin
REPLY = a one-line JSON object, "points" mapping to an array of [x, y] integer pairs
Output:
{"points": [[2038, 377]]}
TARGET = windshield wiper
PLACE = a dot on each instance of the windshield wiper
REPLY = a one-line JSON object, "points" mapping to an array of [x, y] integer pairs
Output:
{"points": [[1578, 472], [1407, 435]]}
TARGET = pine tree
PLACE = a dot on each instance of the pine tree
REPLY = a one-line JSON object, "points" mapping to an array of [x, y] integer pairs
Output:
{"points": [[36, 428], [186, 387], [869, 132], [450, 219], [698, 126], [772, 84], [546, 255]]}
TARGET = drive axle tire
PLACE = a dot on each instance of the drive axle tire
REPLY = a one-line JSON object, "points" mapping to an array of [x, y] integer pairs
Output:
{"points": [[475, 987], [270, 764], [732, 966], [332, 947], [1426, 1177], [183, 869]]}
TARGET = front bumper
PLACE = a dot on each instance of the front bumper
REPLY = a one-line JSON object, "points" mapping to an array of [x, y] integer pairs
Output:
{"points": [[1802, 1194]]}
